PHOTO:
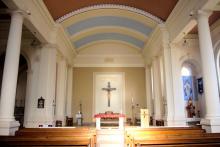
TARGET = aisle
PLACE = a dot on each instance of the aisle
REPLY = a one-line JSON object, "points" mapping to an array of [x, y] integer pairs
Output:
{"points": [[110, 137]]}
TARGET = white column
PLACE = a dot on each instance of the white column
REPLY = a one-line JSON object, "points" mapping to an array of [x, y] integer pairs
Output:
{"points": [[157, 89], [61, 90], [121, 123], [169, 113], [163, 101], [69, 91], [212, 118], [98, 123], [27, 97], [8, 125], [174, 106], [148, 89], [168, 82]]}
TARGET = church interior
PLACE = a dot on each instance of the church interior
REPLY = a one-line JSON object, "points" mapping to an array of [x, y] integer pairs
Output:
{"points": [[104, 73]]}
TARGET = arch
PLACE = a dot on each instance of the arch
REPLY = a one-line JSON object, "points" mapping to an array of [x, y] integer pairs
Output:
{"points": [[107, 29], [109, 36], [189, 86], [193, 63], [109, 6], [108, 21], [23, 53]]}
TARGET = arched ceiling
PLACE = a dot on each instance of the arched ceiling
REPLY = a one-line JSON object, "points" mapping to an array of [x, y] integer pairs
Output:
{"points": [[108, 24], [158, 8], [88, 22]]}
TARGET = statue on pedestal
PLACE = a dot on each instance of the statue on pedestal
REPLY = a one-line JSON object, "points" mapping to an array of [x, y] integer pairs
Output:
{"points": [[190, 108], [79, 117]]}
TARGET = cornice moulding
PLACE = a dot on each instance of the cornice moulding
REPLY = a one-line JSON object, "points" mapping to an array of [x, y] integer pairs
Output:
{"points": [[44, 12], [109, 65], [109, 6], [215, 26], [176, 11], [182, 18], [114, 55], [64, 39], [153, 38]]}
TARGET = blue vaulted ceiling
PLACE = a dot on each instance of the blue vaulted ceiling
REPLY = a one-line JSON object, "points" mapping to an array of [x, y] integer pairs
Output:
{"points": [[109, 36], [108, 21]]}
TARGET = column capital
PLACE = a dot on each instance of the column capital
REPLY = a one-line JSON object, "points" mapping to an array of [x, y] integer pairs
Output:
{"points": [[162, 27], [148, 66], [173, 45], [155, 57], [61, 58], [70, 65], [29, 71], [21, 13], [49, 45], [205, 13]]}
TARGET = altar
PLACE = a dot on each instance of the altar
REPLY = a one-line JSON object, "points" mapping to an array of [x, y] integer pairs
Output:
{"points": [[109, 116]]}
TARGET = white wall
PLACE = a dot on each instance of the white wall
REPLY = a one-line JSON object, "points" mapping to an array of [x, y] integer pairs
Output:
{"points": [[109, 54], [181, 53]]}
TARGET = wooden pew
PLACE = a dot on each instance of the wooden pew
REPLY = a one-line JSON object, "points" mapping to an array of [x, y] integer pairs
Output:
{"points": [[171, 137], [52, 136]]}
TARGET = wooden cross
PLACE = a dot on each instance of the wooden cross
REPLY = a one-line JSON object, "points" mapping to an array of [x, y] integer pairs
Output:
{"points": [[109, 89]]}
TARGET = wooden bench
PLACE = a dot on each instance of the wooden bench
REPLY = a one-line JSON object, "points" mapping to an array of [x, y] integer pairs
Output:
{"points": [[51, 136], [170, 137], [176, 136]]}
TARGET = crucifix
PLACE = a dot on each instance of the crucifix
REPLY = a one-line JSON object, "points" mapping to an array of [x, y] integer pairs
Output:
{"points": [[109, 89]]}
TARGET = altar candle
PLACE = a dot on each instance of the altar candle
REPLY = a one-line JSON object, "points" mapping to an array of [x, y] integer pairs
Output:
{"points": [[132, 101]]}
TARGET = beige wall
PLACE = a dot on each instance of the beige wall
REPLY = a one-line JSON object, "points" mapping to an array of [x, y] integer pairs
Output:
{"points": [[83, 88]]}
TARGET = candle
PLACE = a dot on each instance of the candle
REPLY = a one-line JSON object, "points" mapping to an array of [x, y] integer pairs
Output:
{"points": [[132, 101]]}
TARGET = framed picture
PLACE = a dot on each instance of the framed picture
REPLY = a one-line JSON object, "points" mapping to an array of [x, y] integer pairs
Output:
{"points": [[187, 87], [200, 85], [40, 103]]}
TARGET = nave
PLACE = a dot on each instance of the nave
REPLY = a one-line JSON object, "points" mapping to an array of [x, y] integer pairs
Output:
{"points": [[65, 66]]}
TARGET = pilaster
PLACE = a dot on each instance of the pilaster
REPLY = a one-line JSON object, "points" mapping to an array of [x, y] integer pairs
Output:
{"points": [[61, 91], [148, 88], [69, 91], [42, 84], [157, 90]]}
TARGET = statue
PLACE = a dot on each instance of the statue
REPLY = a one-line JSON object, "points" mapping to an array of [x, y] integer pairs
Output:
{"points": [[79, 117], [190, 108], [144, 118]]}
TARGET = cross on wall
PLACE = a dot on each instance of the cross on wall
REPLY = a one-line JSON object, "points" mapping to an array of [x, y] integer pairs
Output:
{"points": [[109, 89]]}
